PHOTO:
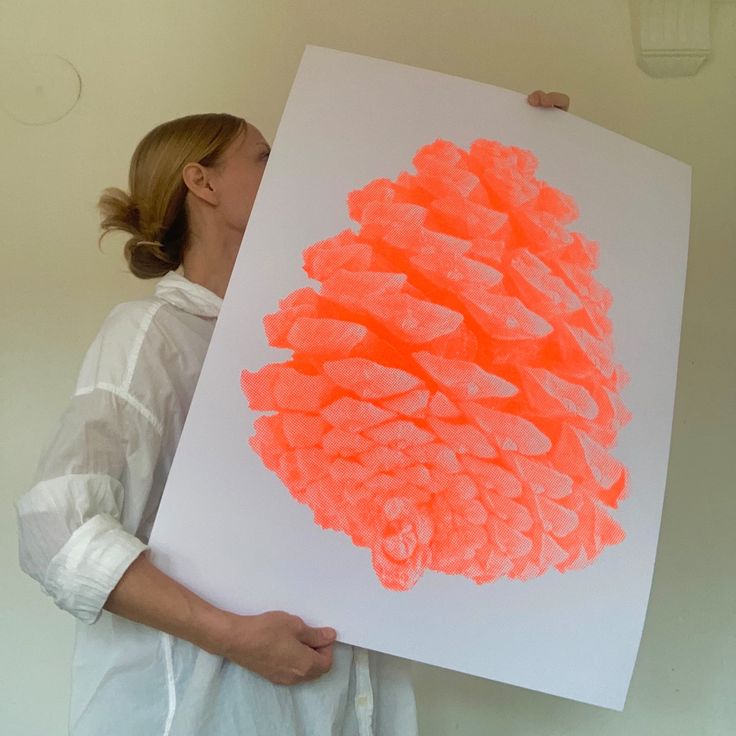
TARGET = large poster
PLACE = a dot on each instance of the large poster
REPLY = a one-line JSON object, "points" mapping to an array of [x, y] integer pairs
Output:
{"points": [[436, 410]]}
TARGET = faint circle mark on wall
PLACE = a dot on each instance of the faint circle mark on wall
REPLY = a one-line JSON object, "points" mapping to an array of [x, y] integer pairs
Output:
{"points": [[39, 89]]}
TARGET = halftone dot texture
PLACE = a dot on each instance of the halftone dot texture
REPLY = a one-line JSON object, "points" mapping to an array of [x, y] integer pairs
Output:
{"points": [[452, 395]]}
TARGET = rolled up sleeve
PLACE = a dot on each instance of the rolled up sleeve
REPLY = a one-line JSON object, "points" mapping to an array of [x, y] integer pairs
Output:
{"points": [[74, 537]]}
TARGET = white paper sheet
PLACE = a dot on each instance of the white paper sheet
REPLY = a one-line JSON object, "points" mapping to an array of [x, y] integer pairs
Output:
{"points": [[230, 530]]}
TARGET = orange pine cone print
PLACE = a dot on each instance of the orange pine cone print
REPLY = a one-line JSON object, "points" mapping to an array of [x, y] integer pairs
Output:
{"points": [[452, 397]]}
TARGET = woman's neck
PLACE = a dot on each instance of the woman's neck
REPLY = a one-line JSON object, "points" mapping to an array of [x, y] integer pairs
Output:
{"points": [[210, 262]]}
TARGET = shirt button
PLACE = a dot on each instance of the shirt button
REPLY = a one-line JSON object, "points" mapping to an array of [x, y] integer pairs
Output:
{"points": [[362, 700]]}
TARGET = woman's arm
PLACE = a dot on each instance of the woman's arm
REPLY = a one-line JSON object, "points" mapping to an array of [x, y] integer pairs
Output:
{"points": [[72, 541], [276, 645]]}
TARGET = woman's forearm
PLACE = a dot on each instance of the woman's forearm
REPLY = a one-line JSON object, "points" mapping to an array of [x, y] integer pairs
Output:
{"points": [[148, 596], [276, 645]]}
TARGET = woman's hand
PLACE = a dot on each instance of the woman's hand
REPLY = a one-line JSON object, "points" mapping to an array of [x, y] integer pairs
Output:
{"points": [[279, 647], [538, 98]]}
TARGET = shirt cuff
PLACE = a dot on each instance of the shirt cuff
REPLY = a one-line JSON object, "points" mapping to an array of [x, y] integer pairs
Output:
{"points": [[84, 572]]}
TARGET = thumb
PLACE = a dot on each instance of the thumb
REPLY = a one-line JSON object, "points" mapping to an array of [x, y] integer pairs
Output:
{"points": [[318, 637]]}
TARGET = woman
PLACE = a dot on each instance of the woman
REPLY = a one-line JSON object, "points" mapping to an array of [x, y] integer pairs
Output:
{"points": [[158, 659]]}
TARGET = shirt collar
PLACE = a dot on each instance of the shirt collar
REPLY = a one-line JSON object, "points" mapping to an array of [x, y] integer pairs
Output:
{"points": [[185, 294]]}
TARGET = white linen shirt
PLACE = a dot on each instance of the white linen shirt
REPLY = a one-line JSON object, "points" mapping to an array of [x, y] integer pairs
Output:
{"points": [[89, 514]]}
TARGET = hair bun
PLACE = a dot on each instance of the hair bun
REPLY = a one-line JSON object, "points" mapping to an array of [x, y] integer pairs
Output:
{"points": [[119, 212], [146, 256]]}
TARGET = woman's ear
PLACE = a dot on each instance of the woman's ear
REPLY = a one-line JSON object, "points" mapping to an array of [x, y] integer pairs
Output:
{"points": [[197, 179]]}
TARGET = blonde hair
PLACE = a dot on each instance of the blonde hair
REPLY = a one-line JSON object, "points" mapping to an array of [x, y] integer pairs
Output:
{"points": [[153, 211]]}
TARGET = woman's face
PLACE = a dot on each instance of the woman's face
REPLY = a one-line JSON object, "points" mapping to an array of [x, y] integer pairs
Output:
{"points": [[238, 174]]}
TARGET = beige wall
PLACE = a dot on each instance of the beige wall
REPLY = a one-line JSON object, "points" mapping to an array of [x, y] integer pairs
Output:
{"points": [[142, 62]]}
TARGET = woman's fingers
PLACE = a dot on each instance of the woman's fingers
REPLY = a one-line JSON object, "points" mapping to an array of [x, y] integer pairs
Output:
{"points": [[539, 98], [318, 645], [323, 659], [316, 638]]}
